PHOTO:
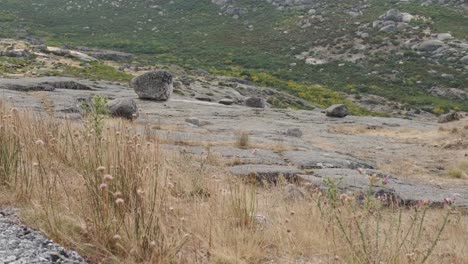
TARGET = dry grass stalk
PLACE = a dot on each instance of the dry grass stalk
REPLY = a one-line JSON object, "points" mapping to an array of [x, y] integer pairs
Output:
{"points": [[118, 198]]}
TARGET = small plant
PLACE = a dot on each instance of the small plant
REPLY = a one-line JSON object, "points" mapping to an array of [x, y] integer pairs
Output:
{"points": [[243, 203], [96, 111], [371, 238], [243, 139], [460, 171]]}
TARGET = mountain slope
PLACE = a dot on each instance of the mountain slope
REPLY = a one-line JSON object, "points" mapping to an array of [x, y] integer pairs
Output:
{"points": [[348, 46]]}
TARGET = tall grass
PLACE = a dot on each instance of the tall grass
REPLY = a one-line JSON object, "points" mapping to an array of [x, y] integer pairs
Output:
{"points": [[117, 197]]}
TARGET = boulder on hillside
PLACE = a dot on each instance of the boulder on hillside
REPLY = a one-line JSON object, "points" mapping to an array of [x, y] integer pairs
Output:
{"points": [[450, 117], [255, 102], [155, 85], [123, 107], [429, 45], [226, 101], [464, 60], [338, 110], [393, 15]]}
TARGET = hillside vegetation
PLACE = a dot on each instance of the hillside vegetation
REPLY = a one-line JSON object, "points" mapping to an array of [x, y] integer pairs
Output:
{"points": [[245, 38]]}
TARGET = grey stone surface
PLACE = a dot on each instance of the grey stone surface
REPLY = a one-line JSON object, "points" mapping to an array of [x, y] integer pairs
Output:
{"points": [[321, 148], [339, 110], [406, 192], [315, 159], [123, 107], [255, 102], [293, 132], [108, 54], [155, 85], [250, 156], [429, 45], [21, 244], [42, 84]]}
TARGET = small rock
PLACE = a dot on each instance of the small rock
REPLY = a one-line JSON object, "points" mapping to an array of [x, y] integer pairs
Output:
{"points": [[226, 101], [193, 121], [393, 15], [178, 85], [155, 85], [125, 108], [293, 193], [196, 122], [293, 132], [429, 45], [339, 110], [255, 102], [452, 116]]}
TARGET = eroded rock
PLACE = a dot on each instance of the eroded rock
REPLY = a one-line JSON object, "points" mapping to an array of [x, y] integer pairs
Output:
{"points": [[155, 85], [124, 108], [339, 110]]}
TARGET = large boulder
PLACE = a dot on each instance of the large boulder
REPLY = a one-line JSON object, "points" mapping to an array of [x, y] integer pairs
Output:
{"points": [[155, 85], [338, 110], [255, 102], [123, 107]]}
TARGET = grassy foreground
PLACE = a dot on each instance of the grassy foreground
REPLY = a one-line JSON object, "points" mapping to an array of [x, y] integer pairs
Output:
{"points": [[107, 189]]}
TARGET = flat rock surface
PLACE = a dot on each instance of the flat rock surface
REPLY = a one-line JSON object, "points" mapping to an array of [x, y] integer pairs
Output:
{"points": [[22, 245], [415, 152]]}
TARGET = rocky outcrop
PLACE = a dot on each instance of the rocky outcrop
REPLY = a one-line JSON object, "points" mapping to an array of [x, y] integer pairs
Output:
{"points": [[429, 45], [21, 244], [43, 84], [155, 85], [107, 54]]}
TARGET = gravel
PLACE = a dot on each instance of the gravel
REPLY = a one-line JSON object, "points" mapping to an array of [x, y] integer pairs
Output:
{"points": [[22, 245]]}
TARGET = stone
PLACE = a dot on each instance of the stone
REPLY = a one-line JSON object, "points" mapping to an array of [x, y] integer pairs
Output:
{"points": [[406, 17], [316, 159], [123, 107], [444, 36], [393, 15], [464, 60], [155, 85], [255, 102], [449, 117], [429, 45], [21, 244], [110, 55], [226, 101], [293, 132], [293, 193], [388, 28], [338, 110], [387, 187]]}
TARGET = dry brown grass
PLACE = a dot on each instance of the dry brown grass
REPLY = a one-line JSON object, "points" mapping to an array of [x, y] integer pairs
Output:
{"points": [[116, 197]]}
